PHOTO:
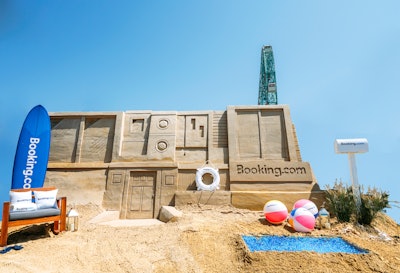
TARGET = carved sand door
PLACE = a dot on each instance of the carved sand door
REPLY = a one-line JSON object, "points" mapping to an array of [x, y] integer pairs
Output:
{"points": [[139, 198]]}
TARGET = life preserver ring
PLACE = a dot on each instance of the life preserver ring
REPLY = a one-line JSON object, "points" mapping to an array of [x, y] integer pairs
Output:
{"points": [[199, 179]]}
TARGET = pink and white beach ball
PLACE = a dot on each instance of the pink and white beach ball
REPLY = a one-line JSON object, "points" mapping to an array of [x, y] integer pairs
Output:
{"points": [[275, 212], [308, 205], [301, 220]]}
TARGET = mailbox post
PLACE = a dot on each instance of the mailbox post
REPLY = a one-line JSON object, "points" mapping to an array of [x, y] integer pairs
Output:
{"points": [[351, 147]]}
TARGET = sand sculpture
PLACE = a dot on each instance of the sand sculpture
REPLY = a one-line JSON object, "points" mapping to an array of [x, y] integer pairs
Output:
{"points": [[138, 161]]}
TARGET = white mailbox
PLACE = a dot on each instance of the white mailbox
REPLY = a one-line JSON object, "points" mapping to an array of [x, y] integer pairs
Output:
{"points": [[352, 145]]}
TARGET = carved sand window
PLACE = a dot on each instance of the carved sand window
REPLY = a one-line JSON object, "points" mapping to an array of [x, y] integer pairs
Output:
{"points": [[201, 130], [137, 125], [193, 121]]}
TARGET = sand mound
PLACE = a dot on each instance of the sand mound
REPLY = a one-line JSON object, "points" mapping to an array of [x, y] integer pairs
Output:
{"points": [[205, 239]]}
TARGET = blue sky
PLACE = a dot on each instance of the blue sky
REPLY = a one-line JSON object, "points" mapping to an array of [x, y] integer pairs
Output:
{"points": [[337, 67]]}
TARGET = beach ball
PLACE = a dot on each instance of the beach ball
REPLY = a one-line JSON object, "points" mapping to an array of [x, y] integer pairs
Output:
{"points": [[308, 205], [301, 220], [275, 212]]}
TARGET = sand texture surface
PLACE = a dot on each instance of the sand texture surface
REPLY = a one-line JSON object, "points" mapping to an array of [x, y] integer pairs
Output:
{"points": [[204, 239]]}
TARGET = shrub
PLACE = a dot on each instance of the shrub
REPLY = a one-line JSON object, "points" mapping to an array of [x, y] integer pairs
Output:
{"points": [[341, 202], [372, 202]]}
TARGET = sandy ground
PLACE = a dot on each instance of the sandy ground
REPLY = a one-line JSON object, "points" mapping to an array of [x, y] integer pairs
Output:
{"points": [[204, 239]]}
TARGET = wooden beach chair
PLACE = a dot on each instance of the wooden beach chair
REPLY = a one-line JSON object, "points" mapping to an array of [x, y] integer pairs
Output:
{"points": [[56, 214]]}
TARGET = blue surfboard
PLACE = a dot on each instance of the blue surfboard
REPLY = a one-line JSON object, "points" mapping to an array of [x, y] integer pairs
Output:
{"points": [[32, 154]]}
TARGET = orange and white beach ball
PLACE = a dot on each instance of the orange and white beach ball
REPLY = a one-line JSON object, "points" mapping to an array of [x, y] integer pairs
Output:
{"points": [[275, 212]]}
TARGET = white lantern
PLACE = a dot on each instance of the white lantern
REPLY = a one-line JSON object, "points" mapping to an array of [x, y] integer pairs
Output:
{"points": [[72, 220]]}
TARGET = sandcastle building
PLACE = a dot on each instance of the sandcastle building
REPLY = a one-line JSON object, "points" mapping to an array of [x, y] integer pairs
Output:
{"points": [[135, 162]]}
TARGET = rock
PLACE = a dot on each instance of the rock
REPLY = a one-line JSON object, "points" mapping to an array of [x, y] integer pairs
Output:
{"points": [[168, 213]]}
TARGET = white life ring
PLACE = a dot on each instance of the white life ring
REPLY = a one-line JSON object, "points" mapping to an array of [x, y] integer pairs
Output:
{"points": [[199, 179]]}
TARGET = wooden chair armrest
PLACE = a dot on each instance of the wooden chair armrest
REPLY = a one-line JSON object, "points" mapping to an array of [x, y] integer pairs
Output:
{"points": [[63, 212], [4, 223]]}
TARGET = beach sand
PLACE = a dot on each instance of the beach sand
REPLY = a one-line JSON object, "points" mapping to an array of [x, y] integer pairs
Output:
{"points": [[204, 239]]}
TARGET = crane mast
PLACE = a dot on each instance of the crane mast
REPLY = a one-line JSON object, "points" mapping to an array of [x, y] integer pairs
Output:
{"points": [[267, 92]]}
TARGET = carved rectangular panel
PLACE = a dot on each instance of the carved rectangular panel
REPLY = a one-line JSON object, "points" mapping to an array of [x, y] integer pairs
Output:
{"points": [[196, 131], [273, 135], [248, 135], [97, 141], [64, 136]]}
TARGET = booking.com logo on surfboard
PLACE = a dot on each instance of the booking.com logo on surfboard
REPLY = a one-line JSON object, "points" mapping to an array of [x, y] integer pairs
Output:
{"points": [[32, 154]]}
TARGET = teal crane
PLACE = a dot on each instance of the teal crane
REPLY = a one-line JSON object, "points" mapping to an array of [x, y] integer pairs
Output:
{"points": [[267, 94]]}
